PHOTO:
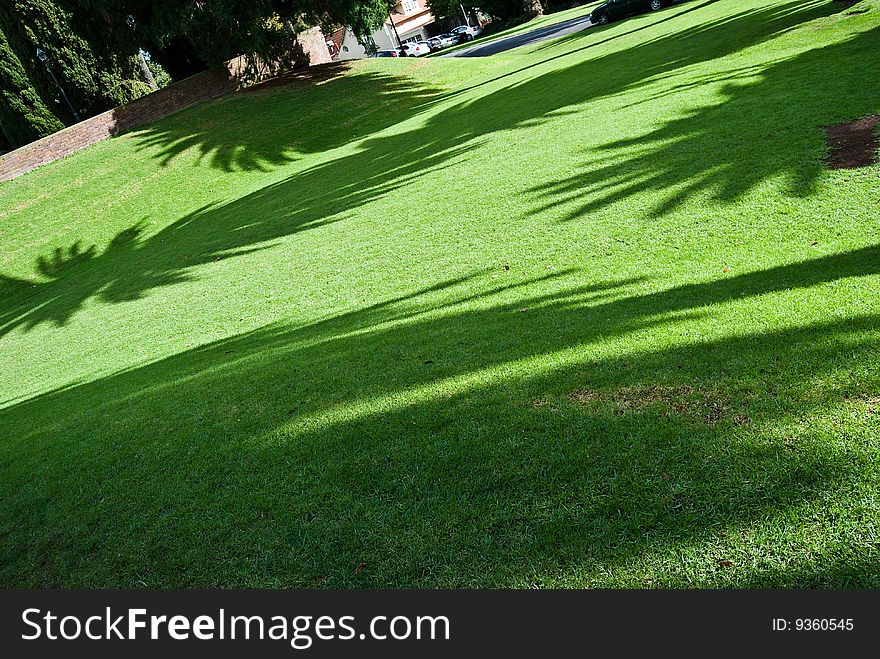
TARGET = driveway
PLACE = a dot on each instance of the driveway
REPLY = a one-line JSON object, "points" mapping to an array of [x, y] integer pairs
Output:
{"points": [[525, 38]]}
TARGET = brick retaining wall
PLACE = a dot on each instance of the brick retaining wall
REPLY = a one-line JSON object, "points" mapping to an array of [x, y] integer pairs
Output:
{"points": [[179, 96], [314, 45]]}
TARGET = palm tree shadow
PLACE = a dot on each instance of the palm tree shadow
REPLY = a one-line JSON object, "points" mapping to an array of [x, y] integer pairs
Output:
{"points": [[270, 124], [392, 436], [389, 160], [71, 276], [767, 124]]}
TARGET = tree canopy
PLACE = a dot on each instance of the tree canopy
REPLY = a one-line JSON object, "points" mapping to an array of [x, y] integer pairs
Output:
{"points": [[23, 114], [188, 35], [504, 9], [94, 75], [93, 48]]}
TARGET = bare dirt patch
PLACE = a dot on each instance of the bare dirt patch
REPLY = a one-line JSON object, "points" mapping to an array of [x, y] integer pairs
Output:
{"points": [[854, 144], [706, 405], [871, 402]]}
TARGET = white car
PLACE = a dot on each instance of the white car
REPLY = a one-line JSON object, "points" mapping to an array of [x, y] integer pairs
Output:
{"points": [[472, 31], [447, 40], [414, 49]]}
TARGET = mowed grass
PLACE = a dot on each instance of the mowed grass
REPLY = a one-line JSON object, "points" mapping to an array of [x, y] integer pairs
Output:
{"points": [[588, 314]]}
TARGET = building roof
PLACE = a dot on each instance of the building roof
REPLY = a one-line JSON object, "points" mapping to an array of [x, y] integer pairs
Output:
{"points": [[337, 37]]}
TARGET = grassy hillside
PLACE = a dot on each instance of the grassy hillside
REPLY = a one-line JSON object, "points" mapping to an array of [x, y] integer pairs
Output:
{"points": [[593, 313]]}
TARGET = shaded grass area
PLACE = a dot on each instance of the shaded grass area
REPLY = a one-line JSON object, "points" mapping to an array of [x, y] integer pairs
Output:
{"points": [[593, 314]]}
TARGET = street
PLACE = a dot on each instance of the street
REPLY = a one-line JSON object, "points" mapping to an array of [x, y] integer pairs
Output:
{"points": [[515, 41]]}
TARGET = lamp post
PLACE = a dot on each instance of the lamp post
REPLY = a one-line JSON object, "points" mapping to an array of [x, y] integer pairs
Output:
{"points": [[466, 19], [45, 60]]}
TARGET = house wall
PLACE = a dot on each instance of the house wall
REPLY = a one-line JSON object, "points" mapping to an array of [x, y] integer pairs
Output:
{"points": [[409, 18], [352, 48], [410, 22]]}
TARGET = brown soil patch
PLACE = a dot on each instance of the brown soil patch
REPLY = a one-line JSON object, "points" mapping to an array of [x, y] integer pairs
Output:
{"points": [[871, 402], [706, 405], [853, 144]]}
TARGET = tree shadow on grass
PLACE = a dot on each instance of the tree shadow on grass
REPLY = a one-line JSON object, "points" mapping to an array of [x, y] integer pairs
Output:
{"points": [[768, 123], [431, 438], [273, 123], [437, 443], [135, 263], [602, 34], [631, 66], [244, 133]]}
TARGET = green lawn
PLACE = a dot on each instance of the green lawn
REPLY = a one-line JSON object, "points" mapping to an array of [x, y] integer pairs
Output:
{"points": [[590, 313]]}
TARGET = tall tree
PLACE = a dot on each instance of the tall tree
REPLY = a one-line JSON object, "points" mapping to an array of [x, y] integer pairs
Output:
{"points": [[24, 116], [93, 47], [96, 75], [93, 74], [189, 35]]}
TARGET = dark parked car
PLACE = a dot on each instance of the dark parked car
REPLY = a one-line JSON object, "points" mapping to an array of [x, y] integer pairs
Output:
{"points": [[387, 53], [614, 9]]}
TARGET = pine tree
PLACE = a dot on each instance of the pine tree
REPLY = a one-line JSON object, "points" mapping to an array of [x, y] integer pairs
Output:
{"points": [[95, 76], [24, 116]]}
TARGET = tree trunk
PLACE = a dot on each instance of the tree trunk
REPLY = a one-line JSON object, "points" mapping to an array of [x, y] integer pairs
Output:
{"points": [[533, 8], [145, 71]]}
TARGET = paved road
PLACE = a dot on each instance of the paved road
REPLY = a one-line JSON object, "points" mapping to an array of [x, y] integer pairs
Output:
{"points": [[534, 36]]}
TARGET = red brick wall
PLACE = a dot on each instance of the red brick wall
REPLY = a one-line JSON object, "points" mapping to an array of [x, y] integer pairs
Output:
{"points": [[314, 45], [196, 89], [200, 87]]}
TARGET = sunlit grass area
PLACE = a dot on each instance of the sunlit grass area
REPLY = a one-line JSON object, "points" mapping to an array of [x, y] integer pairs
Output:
{"points": [[590, 313]]}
